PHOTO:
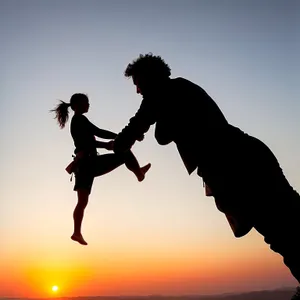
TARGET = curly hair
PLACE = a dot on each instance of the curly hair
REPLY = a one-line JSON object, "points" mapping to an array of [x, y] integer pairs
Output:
{"points": [[148, 65]]}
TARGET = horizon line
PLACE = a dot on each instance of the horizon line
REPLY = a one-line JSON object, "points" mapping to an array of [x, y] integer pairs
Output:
{"points": [[287, 288]]}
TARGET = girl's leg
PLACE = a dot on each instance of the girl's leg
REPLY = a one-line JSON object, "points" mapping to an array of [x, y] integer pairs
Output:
{"points": [[108, 162], [83, 197]]}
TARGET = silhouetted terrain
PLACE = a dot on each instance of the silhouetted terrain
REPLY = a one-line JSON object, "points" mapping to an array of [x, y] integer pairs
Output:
{"points": [[282, 294]]}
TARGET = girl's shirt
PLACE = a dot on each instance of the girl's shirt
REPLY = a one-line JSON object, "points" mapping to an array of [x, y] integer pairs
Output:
{"points": [[83, 133]]}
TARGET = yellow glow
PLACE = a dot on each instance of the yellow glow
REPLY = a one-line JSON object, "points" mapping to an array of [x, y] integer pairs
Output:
{"points": [[55, 288]]}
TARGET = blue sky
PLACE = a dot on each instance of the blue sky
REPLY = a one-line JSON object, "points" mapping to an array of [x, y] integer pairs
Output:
{"points": [[245, 54]]}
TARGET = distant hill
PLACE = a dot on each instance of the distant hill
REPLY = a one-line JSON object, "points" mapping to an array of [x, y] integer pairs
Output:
{"points": [[280, 294]]}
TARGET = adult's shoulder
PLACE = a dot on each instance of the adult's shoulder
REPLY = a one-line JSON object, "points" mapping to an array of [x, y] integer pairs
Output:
{"points": [[177, 80], [181, 83], [183, 80]]}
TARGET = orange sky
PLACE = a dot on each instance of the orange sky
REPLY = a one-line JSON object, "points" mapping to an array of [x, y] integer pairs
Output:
{"points": [[126, 271]]}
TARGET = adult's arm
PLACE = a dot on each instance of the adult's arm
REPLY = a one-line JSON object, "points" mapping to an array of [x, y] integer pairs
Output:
{"points": [[137, 126]]}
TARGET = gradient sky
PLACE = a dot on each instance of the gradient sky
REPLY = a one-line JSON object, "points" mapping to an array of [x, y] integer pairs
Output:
{"points": [[161, 236]]}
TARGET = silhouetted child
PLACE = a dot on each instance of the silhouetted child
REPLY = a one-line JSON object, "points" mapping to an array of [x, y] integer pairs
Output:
{"points": [[87, 163]]}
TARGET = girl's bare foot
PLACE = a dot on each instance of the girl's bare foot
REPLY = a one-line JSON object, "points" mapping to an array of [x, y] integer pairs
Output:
{"points": [[78, 238], [143, 171]]}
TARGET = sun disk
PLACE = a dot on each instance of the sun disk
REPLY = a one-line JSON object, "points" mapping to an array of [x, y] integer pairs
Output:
{"points": [[55, 288]]}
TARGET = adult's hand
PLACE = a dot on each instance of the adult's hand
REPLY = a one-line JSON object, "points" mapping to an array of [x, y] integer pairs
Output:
{"points": [[110, 145]]}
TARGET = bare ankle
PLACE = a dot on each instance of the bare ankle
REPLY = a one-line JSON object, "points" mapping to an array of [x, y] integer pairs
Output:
{"points": [[142, 171], [146, 168], [140, 175], [77, 237]]}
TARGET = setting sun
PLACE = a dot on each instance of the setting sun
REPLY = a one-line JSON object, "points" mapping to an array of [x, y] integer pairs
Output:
{"points": [[55, 288]]}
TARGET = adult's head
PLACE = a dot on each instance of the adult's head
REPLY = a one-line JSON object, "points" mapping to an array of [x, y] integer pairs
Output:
{"points": [[148, 72], [79, 103]]}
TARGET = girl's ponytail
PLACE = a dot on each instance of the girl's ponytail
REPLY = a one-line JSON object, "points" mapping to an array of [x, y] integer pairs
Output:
{"points": [[61, 113]]}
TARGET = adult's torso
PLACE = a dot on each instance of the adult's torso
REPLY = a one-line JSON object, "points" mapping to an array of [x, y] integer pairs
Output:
{"points": [[195, 123]]}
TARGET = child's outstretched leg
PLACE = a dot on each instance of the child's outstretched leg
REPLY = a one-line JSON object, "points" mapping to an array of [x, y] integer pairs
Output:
{"points": [[133, 165], [106, 163], [83, 197]]}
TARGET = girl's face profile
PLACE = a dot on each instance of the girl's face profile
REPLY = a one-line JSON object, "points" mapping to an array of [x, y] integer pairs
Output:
{"points": [[82, 106], [85, 104]]}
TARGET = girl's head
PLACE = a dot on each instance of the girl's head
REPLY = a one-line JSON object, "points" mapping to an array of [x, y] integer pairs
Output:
{"points": [[79, 103]]}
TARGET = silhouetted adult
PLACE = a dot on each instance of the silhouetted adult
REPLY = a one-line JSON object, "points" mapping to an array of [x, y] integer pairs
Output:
{"points": [[88, 164], [242, 173]]}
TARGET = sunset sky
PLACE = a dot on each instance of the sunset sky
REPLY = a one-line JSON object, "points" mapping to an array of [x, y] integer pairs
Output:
{"points": [[161, 236]]}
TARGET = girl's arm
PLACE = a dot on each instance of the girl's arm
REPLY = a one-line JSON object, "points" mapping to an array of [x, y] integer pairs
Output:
{"points": [[105, 145], [101, 133]]}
